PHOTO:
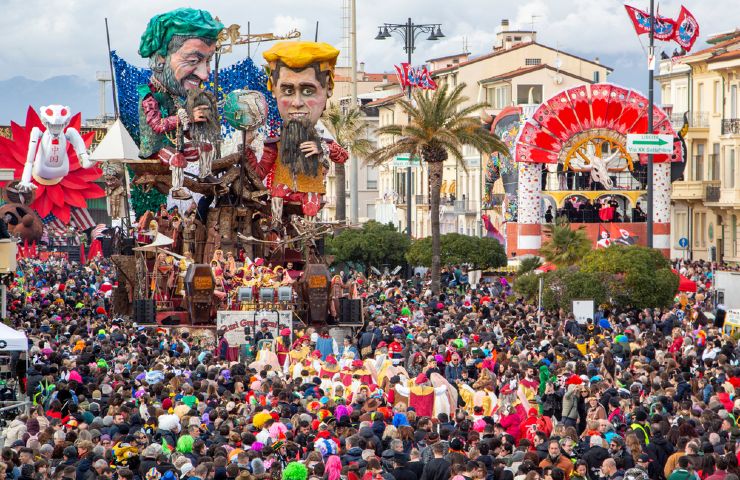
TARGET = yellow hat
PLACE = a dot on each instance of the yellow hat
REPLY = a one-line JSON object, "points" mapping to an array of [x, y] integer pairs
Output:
{"points": [[299, 55], [260, 419]]}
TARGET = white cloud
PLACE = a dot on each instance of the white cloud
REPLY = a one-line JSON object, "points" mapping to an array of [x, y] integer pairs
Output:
{"points": [[43, 39]]}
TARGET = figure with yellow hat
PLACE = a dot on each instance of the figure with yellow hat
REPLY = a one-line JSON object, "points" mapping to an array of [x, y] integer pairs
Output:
{"points": [[301, 77], [179, 45]]}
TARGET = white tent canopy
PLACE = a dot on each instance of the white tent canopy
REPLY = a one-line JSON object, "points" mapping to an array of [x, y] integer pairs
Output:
{"points": [[116, 145], [12, 340]]}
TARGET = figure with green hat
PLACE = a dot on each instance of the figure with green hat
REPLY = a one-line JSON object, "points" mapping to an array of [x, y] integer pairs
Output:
{"points": [[179, 45]]}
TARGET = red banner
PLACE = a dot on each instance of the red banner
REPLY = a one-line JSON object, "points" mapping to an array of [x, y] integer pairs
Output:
{"points": [[665, 28], [417, 77], [687, 29]]}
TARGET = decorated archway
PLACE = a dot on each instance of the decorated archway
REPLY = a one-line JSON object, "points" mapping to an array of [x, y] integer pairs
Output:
{"points": [[575, 144]]}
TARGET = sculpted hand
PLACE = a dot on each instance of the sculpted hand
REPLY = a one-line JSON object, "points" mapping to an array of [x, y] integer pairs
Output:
{"points": [[310, 148]]}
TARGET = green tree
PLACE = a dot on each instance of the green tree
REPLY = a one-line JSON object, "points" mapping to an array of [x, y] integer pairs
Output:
{"points": [[564, 285], [566, 246], [528, 264], [456, 249], [642, 276], [375, 244], [350, 131], [528, 286], [440, 124]]}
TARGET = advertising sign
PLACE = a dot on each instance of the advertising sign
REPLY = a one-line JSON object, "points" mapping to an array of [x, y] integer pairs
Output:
{"points": [[583, 310], [233, 322]]}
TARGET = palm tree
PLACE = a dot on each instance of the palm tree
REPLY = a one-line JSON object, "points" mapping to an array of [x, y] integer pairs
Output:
{"points": [[566, 246], [440, 123], [349, 130]]}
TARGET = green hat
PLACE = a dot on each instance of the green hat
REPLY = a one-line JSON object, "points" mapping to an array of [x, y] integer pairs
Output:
{"points": [[183, 21]]}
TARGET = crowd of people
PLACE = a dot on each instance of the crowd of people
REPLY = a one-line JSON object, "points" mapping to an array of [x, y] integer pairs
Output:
{"points": [[471, 384]]}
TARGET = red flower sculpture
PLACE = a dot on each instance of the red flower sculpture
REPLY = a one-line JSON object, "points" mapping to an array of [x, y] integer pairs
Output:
{"points": [[72, 191]]}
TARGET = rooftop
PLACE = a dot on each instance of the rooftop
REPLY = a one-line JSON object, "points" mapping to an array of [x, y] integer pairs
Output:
{"points": [[524, 70], [515, 47], [384, 101]]}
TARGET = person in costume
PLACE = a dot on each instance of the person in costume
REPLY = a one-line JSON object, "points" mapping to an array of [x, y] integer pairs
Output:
{"points": [[179, 45], [301, 77]]}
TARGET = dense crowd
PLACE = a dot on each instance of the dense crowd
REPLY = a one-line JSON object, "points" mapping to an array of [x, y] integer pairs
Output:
{"points": [[472, 384]]}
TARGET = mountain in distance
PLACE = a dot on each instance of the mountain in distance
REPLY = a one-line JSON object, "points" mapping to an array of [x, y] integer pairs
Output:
{"points": [[81, 95]]}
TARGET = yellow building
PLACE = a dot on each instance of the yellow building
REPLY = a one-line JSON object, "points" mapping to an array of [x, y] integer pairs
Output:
{"points": [[706, 202], [517, 71]]}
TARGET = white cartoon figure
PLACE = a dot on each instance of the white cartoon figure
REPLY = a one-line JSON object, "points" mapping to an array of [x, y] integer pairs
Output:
{"points": [[47, 162]]}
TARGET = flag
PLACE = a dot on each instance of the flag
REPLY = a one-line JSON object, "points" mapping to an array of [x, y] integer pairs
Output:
{"points": [[98, 230], [665, 28], [82, 254], [604, 239], [687, 29]]}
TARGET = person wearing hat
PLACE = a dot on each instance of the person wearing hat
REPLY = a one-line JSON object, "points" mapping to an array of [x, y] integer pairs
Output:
{"points": [[179, 45], [640, 426], [301, 77]]}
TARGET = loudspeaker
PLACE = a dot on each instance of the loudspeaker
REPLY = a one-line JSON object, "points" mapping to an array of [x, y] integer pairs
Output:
{"points": [[106, 244], [245, 294], [145, 311], [127, 246], [267, 295], [350, 311], [320, 244], [285, 294]]}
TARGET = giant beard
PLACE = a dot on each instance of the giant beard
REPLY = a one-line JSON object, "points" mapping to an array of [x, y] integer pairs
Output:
{"points": [[208, 132], [295, 132]]}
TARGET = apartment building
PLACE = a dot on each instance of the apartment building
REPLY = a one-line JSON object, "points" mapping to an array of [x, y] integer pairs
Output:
{"points": [[517, 71], [703, 88], [370, 86]]}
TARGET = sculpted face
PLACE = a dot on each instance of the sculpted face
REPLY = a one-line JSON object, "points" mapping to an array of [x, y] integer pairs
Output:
{"points": [[188, 67], [300, 95]]}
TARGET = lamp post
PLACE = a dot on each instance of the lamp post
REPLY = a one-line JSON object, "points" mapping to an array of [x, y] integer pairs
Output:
{"points": [[409, 31]]}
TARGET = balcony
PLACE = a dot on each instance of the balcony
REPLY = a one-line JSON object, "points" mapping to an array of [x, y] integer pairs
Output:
{"points": [[462, 207], [712, 193], [731, 126], [699, 119], [699, 190]]}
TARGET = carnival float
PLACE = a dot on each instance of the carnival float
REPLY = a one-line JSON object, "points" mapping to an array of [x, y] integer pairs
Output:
{"points": [[227, 181], [213, 177]]}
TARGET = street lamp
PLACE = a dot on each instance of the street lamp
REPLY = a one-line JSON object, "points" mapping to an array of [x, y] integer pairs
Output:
{"points": [[409, 32]]}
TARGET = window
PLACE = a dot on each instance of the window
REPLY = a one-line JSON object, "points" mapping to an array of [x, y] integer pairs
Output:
{"points": [[498, 97], [730, 171], [714, 163], [700, 97], [717, 97], [371, 211], [699, 162], [517, 39], [528, 94], [700, 230], [532, 61], [733, 235], [372, 178], [597, 77], [680, 103]]}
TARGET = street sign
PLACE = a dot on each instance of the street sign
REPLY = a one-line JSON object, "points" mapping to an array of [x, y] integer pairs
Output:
{"points": [[403, 162], [649, 143], [683, 242]]}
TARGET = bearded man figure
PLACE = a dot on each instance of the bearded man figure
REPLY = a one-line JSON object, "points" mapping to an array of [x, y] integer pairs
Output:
{"points": [[179, 45], [301, 76]]}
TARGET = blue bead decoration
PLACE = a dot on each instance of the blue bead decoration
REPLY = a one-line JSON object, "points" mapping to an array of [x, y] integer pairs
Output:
{"points": [[243, 74]]}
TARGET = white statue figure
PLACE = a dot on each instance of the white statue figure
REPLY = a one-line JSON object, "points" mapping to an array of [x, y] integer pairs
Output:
{"points": [[599, 167], [47, 162]]}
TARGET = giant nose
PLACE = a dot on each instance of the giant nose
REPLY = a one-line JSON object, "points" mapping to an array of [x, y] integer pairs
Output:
{"points": [[203, 70]]}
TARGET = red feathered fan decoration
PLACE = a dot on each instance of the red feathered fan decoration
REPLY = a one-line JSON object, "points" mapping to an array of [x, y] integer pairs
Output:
{"points": [[559, 121], [73, 190]]}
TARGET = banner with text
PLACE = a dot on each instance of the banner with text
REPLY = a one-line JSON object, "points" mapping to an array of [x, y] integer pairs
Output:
{"points": [[233, 323]]}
